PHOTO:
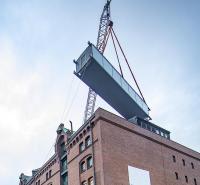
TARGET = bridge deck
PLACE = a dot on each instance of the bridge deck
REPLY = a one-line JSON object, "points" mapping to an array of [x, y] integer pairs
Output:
{"points": [[97, 72]]}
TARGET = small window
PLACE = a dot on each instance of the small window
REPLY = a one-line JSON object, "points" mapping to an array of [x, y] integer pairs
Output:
{"points": [[148, 127], [183, 162], [36, 183], [174, 158], [144, 125], [84, 183], [62, 149], [81, 146], [88, 141], [139, 123], [64, 164], [83, 166], [84, 132], [74, 142], [192, 164], [39, 182], [157, 131], [195, 181], [88, 128], [186, 179], [176, 174], [91, 181], [47, 176], [81, 135], [89, 162], [49, 173]]}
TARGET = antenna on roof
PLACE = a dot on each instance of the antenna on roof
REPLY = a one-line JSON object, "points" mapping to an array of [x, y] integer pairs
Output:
{"points": [[71, 125]]}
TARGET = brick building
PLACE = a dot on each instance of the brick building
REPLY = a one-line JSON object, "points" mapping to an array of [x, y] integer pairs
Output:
{"points": [[109, 150]]}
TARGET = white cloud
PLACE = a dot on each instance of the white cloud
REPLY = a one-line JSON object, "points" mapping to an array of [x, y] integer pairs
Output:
{"points": [[23, 120]]}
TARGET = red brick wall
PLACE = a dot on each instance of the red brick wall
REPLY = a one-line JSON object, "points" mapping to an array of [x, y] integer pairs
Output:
{"points": [[118, 143], [126, 144]]}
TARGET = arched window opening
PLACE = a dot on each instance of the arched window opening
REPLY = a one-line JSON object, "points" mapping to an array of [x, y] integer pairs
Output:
{"points": [[83, 166], [81, 147], [89, 162], [88, 141]]}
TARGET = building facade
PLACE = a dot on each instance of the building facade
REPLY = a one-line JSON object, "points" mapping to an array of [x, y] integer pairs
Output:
{"points": [[109, 150]]}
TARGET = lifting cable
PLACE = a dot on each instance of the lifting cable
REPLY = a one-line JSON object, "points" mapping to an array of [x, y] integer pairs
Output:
{"points": [[73, 98], [72, 101], [117, 55], [67, 98], [128, 65]]}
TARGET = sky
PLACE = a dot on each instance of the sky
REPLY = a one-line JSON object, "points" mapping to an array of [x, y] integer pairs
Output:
{"points": [[38, 91]]}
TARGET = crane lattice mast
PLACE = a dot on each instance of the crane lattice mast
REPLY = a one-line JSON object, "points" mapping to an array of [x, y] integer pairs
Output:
{"points": [[103, 33]]}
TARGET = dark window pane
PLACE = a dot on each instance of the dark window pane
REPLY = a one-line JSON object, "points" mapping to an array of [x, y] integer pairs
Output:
{"points": [[176, 174], [89, 162], [174, 158], [81, 147], [186, 179], [195, 181], [183, 162], [192, 165], [88, 141], [83, 166]]}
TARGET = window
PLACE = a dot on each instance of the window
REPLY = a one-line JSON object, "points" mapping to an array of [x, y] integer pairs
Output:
{"points": [[62, 148], [91, 181], [83, 166], [64, 164], [81, 147], [157, 131], [89, 162], [81, 135], [83, 57], [39, 182], [84, 132], [186, 179], [47, 176], [88, 141], [148, 127], [183, 162], [84, 183], [49, 173], [139, 123], [74, 142], [144, 125], [176, 174], [174, 158], [195, 181], [88, 128], [192, 164], [64, 180], [36, 183]]}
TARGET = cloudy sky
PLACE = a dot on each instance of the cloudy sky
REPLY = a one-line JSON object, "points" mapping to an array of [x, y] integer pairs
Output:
{"points": [[40, 39]]}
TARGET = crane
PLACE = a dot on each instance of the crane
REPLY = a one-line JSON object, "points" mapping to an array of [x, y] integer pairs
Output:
{"points": [[105, 30], [102, 38]]}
